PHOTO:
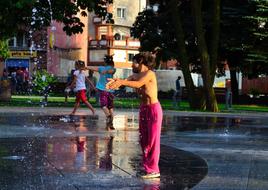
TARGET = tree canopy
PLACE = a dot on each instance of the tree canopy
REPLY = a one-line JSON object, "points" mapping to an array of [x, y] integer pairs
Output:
{"points": [[200, 33], [243, 33], [19, 14], [244, 36]]}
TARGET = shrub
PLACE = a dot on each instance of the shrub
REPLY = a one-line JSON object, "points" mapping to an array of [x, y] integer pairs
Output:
{"points": [[43, 82], [254, 91]]}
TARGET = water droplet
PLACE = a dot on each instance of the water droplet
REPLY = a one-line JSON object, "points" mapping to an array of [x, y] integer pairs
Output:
{"points": [[13, 157], [34, 10]]}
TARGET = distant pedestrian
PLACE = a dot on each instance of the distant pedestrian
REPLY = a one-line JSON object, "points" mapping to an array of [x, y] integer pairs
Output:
{"points": [[228, 94], [91, 92], [13, 82], [26, 80], [177, 94], [4, 75], [80, 87], [68, 90], [20, 80]]}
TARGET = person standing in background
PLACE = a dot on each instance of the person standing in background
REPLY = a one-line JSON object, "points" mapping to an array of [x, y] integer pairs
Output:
{"points": [[228, 94], [92, 92], [4, 75], [68, 90], [177, 94]]}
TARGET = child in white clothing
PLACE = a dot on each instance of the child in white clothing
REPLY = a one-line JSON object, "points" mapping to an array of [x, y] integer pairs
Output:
{"points": [[80, 87]]}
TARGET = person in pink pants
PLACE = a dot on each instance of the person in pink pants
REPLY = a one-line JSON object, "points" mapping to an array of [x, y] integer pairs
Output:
{"points": [[150, 128], [150, 117]]}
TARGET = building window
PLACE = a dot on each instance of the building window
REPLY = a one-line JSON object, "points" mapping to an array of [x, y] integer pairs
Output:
{"points": [[130, 57], [20, 40], [12, 42], [103, 37], [117, 36], [123, 37], [121, 12]]}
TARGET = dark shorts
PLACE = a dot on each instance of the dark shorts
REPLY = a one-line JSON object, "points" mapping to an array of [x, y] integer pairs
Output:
{"points": [[106, 99], [81, 96]]}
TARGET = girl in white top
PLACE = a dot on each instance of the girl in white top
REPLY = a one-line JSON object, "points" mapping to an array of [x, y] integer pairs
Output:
{"points": [[80, 87]]}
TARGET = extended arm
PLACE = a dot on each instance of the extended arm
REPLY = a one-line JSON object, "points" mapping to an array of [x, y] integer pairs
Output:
{"points": [[110, 71], [116, 83], [92, 68]]}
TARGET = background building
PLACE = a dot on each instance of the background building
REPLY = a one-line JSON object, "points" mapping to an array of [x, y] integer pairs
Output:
{"points": [[97, 40], [63, 50], [114, 39], [27, 51]]}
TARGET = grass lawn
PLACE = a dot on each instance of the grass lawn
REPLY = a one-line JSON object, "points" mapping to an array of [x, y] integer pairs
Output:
{"points": [[33, 101]]}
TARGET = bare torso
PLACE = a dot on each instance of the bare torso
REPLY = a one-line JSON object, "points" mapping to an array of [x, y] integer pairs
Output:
{"points": [[148, 92]]}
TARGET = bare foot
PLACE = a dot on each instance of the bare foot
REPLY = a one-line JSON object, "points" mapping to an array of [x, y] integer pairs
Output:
{"points": [[93, 112], [112, 127]]}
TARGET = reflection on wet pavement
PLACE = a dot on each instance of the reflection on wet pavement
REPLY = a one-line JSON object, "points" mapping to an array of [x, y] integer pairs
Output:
{"points": [[235, 148], [78, 153], [40, 151]]}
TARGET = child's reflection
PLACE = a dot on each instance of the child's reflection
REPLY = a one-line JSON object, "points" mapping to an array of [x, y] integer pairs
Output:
{"points": [[80, 159], [152, 184], [106, 160]]}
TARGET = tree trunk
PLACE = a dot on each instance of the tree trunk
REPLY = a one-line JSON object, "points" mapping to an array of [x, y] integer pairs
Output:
{"points": [[5, 90], [214, 40], [184, 60], [211, 102], [234, 86]]}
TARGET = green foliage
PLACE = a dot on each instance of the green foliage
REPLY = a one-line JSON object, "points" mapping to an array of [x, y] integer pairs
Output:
{"points": [[155, 29], [43, 81], [17, 14], [244, 36], [23, 101], [243, 40], [4, 51], [254, 91]]}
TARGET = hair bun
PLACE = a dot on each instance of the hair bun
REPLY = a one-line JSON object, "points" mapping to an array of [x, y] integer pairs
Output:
{"points": [[108, 59]]}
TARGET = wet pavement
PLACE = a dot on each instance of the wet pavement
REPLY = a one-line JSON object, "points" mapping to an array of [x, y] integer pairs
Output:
{"points": [[44, 148]]}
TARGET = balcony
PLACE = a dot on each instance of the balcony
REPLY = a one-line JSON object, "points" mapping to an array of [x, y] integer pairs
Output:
{"points": [[98, 20], [111, 43]]}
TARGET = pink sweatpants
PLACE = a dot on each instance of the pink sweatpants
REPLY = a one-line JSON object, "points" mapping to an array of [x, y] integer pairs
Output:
{"points": [[150, 121]]}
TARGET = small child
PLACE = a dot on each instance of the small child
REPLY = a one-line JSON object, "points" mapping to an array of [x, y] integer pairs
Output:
{"points": [[80, 87], [106, 96]]}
